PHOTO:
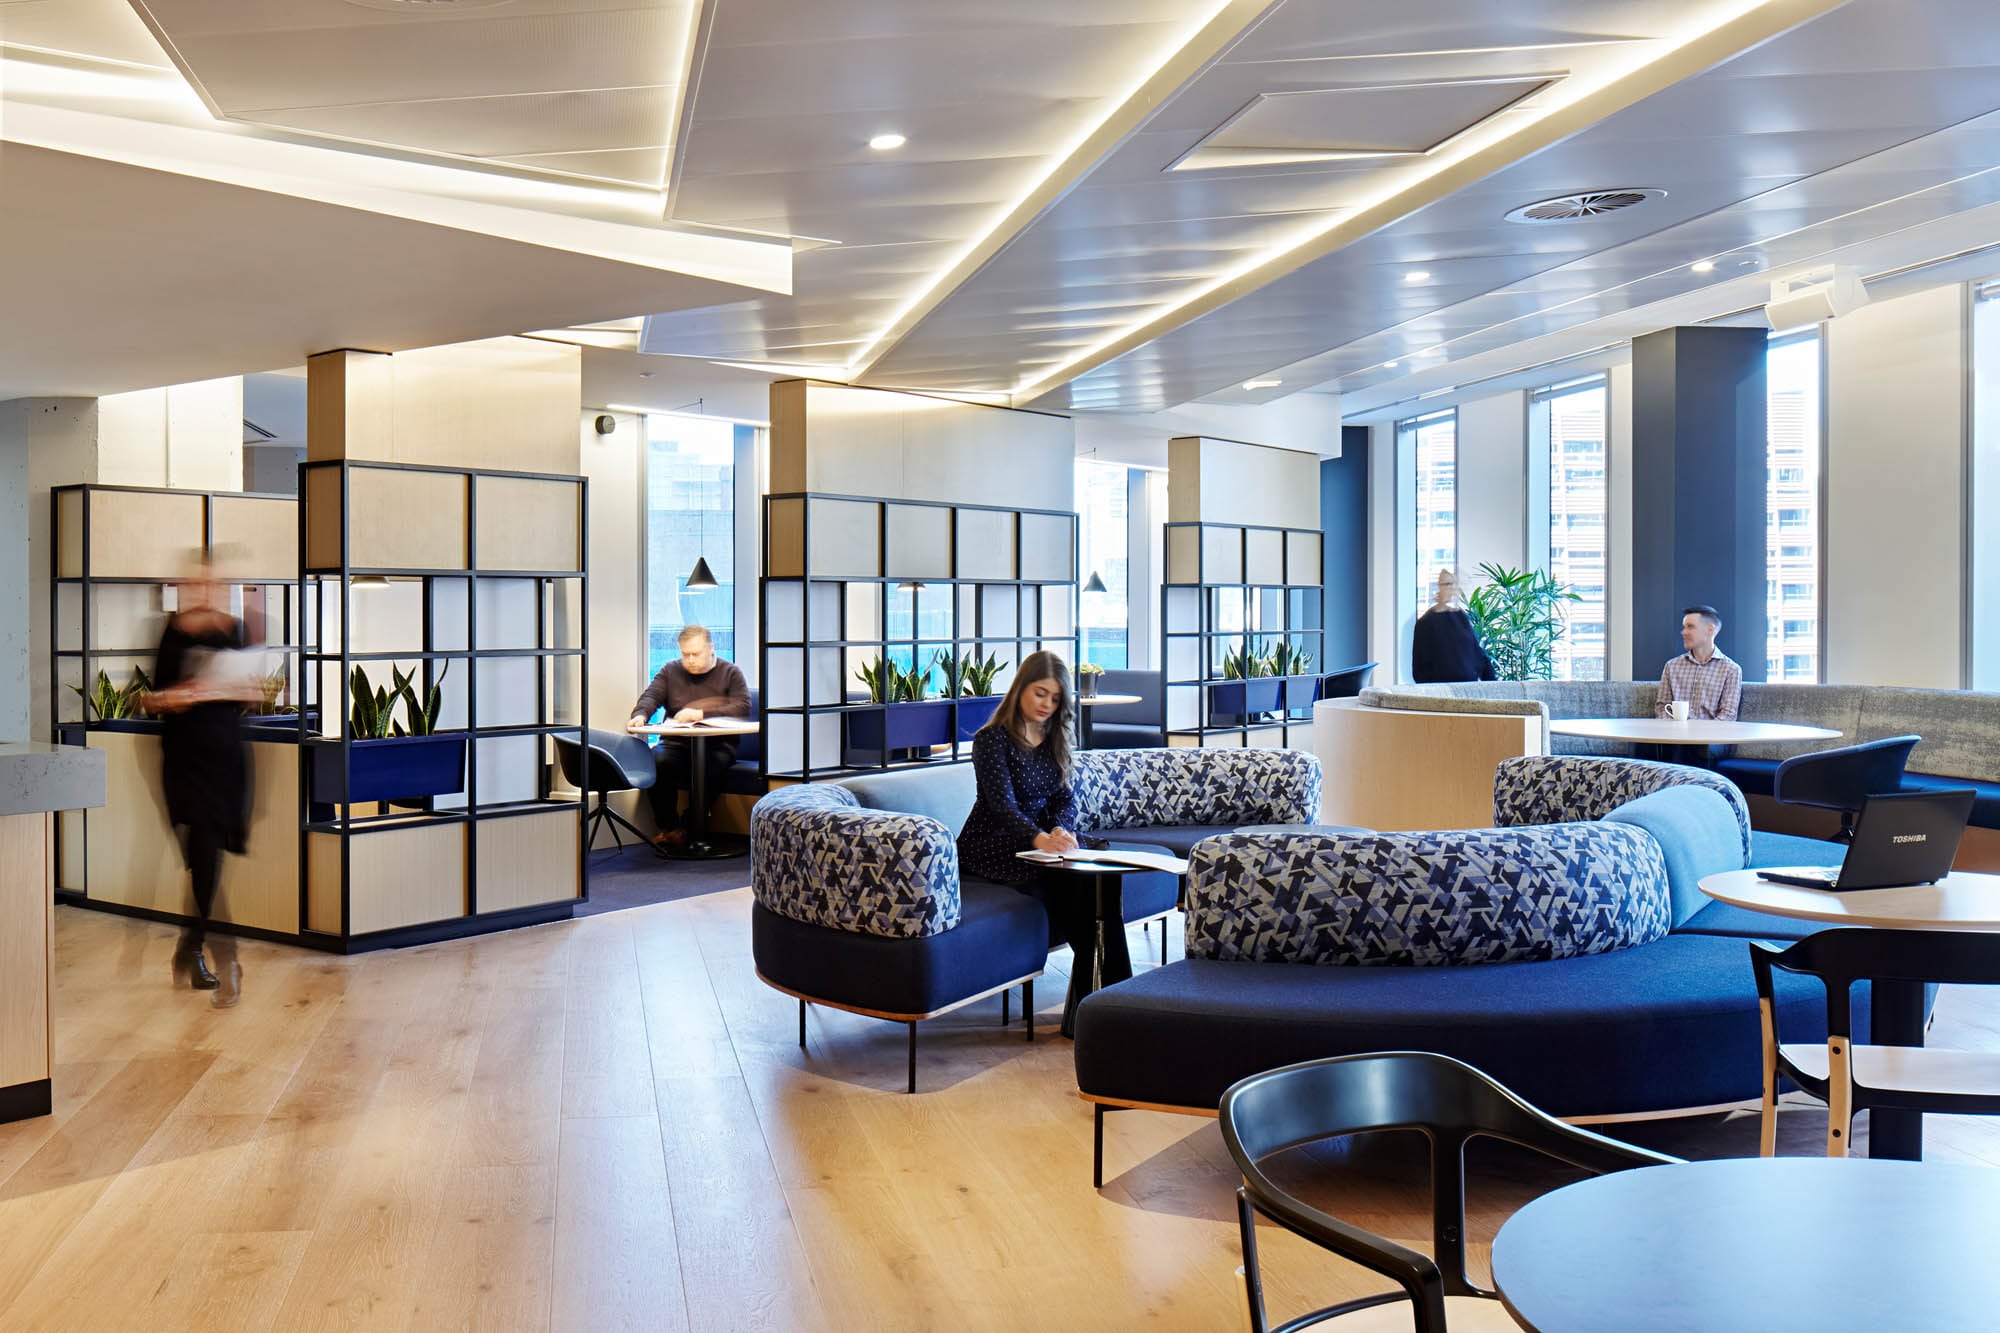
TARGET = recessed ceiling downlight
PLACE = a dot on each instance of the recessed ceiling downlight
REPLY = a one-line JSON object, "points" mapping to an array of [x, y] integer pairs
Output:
{"points": [[1582, 206]]}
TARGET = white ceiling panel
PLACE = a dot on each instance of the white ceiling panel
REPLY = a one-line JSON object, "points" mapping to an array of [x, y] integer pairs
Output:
{"points": [[107, 29], [1326, 123], [1360, 28], [497, 126], [636, 165]]}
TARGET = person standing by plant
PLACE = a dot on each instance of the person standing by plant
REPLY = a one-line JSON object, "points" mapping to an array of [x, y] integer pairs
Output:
{"points": [[1444, 646], [695, 686], [204, 763]]}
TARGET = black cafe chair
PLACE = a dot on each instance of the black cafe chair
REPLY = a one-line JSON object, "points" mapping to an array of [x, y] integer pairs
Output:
{"points": [[1850, 1077], [1346, 682], [1446, 1099], [605, 762], [1843, 779]]}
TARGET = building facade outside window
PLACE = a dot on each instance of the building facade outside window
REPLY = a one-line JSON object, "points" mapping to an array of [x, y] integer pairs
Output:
{"points": [[1433, 440], [1792, 541], [1104, 548], [690, 516], [1573, 417]]}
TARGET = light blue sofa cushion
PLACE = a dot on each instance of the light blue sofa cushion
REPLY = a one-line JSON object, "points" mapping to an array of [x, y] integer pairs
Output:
{"points": [[944, 792], [1697, 833]]}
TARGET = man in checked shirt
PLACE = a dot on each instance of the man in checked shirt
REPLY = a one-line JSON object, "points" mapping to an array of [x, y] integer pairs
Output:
{"points": [[1703, 675]]}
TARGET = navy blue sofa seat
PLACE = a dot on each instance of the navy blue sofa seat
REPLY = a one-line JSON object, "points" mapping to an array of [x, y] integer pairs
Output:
{"points": [[1669, 1025], [1130, 726]]}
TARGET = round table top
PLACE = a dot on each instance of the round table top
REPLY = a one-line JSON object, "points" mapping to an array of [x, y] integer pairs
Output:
{"points": [[1962, 900], [1755, 1243], [1694, 731], [710, 726], [1089, 699]]}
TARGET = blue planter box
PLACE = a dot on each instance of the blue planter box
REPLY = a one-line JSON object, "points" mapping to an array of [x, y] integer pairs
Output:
{"points": [[1300, 692], [907, 726], [395, 768], [975, 713], [1235, 698]]}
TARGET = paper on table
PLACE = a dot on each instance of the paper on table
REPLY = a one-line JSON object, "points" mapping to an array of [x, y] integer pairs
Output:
{"points": [[1172, 865]]}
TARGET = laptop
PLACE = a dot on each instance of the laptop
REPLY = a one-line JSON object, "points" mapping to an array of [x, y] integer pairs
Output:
{"points": [[1901, 839]]}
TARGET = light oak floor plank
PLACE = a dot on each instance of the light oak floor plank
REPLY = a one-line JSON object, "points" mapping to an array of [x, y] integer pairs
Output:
{"points": [[608, 1124]]}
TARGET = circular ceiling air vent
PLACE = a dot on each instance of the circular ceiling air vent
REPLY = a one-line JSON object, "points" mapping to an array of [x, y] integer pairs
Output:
{"points": [[1582, 206]]}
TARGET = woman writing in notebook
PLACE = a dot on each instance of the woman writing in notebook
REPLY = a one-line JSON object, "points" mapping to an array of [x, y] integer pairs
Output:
{"points": [[1022, 760]]}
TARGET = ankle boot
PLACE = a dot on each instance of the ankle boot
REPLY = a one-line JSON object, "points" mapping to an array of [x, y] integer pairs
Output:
{"points": [[229, 975], [190, 967]]}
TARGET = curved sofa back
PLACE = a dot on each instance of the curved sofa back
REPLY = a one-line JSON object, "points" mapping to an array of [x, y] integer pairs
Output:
{"points": [[1124, 789], [1559, 788], [1426, 899], [818, 855]]}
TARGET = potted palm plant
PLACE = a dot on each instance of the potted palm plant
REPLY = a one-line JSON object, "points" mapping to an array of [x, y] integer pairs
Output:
{"points": [[393, 759], [1518, 615]]}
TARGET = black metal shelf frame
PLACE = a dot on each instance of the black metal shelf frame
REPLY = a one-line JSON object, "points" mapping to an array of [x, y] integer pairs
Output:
{"points": [[841, 640], [340, 580]]}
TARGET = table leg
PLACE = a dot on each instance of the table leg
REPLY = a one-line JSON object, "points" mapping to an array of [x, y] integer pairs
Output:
{"points": [[1083, 727], [1110, 959], [698, 848], [1896, 1018]]}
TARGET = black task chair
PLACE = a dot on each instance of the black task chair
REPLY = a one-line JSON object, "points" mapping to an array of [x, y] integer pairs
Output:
{"points": [[1851, 1078], [607, 761], [1346, 682], [1845, 778], [1450, 1102]]}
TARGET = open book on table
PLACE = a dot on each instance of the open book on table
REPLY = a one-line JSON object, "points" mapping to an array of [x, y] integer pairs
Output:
{"points": [[1172, 865]]}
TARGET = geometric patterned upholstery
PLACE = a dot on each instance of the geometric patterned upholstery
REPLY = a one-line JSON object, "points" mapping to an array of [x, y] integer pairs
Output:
{"points": [[1428, 899], [818, 855], [1123, 789], [1563, 788]]}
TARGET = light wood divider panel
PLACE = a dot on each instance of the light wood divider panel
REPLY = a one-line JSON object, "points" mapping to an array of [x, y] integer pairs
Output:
{"points": [[400, 877], [529, 524], [528, 859], [69, 535], [406, 520], [26, 935], [142, 534], [135, 858], [1393, 769], [254, 539]]}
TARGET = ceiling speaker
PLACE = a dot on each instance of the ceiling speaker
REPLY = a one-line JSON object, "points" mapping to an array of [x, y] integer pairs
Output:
{"points": [[1798, 302]]}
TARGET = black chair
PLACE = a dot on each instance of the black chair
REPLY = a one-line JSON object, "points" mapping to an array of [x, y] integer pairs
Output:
{"points": [[1450, 1102], [1843, 779], [1347, 682], [605, 762], [1851, 1078]]}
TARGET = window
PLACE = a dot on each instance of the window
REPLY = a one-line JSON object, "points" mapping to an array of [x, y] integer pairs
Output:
{"points": [[1572, 415], [1433, 441], [690, 516], [1104, 541], [1792, 503]]}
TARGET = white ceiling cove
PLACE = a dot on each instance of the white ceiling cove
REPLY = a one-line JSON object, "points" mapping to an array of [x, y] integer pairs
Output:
{"points": [[1125, 205]]}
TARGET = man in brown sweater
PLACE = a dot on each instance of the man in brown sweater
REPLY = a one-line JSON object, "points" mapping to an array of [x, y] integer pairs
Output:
{"points": [[699, 685]]}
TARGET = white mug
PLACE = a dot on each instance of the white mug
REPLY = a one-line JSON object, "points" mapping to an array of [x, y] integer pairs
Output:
{"points": [[1679, 709]]}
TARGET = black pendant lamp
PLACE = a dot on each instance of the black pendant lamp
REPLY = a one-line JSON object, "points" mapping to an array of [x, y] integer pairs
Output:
{"points": [[701, 577], [1095, 583]]}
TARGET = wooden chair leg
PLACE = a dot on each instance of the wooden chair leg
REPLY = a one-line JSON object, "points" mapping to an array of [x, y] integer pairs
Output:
{"points": [[1767, 1127], [1839, 1099]]}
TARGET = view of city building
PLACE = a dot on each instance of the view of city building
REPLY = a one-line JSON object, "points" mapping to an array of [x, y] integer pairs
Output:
{"points": [[1104, 549], [1574, 416], [1434, 439], [1792, 555], [690, 515]]}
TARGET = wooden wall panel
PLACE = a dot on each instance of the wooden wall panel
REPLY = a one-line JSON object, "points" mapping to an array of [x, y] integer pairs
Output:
{"points": [[26, 932], [1393, 769], [529, 525], [264, 533], [323, 882], [261, 887], [323, 519], [528, 859], [143, 534], [69, 535], [406, 520]]}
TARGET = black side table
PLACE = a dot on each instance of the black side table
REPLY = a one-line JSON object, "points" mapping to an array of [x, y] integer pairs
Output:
{"points": [[698, 735], [1111, 960]]}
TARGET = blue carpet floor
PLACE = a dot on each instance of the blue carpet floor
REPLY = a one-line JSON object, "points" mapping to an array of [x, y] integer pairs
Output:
{"points": [[635, 877]]}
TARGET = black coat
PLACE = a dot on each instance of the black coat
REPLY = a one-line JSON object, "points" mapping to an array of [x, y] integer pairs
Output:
{"points": [[204, 763], [1445, 648]]}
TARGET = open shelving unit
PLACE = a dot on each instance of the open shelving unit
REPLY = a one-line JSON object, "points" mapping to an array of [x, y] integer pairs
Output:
{"points": [[1240, 590], [848, 580], [475, 581], [117, 550]]}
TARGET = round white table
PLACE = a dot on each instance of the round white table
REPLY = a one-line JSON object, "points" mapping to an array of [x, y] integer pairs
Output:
{"points": [[1089, 701], [1694, 731], [697, 735], [1962, 900]]}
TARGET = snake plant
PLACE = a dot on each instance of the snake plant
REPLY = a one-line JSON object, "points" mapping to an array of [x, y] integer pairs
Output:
{"points": [[372, 711], [107, 701]]}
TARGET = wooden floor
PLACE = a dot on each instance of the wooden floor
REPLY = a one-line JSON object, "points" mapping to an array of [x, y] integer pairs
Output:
{"points": [[607, 1124]]}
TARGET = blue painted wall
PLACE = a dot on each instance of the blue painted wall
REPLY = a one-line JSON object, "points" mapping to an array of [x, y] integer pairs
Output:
{"points": [[1343, 519]]}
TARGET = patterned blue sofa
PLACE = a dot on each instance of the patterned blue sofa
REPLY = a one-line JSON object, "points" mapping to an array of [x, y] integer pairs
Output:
{"points": [[1569, 953], [860, 904]]}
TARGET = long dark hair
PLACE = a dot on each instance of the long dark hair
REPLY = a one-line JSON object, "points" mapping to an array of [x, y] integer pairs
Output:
{"points": [[1009, 719]]}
